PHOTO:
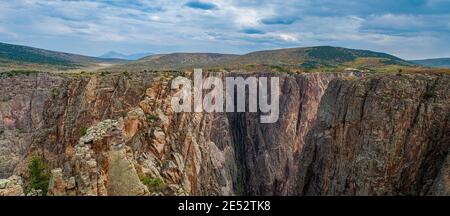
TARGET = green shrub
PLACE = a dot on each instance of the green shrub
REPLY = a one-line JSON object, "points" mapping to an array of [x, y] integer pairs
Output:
{"points": [[250, 66], [104, 73], [55, 92], [153, 184], [126, 74], [18, 72], [83, 131], [429, 94], [152, 118], [39, 174], [280, 69]]}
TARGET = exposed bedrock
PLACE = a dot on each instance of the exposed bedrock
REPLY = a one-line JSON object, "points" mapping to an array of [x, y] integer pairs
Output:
{"points": [[47, 113], [116, 134], [380, 135], [268, 154]]}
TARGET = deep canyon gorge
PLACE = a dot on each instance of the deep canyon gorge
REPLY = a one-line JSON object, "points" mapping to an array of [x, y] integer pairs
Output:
{"points": [[338, 134]]}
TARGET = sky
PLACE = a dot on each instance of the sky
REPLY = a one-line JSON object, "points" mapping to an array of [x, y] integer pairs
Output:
{"points": [[410, 29]]}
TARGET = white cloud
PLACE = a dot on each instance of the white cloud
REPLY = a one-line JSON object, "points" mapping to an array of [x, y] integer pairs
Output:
{"points": [[288, 37]]}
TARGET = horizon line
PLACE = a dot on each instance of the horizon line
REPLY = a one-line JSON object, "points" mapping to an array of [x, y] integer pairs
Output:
{"points": [[206, 52]]}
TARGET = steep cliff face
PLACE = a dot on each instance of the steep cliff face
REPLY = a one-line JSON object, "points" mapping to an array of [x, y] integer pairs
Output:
{"points": [[380, 135], [268, 154], [116, 134], [47, 113], [221, 153], [22, 113], [188, 153]]}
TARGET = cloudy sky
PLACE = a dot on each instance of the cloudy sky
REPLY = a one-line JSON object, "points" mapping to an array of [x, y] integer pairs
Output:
{"points": [[407, 28]]}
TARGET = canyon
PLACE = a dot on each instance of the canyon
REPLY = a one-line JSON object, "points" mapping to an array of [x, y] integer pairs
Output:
{"points": [[340, 133]]}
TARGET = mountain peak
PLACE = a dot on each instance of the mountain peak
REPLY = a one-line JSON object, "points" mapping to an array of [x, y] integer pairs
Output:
{"points": [[113, 55], [117, 55]]}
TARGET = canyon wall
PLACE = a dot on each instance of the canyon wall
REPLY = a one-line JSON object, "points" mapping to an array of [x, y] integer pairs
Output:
{"points": [[116, 134], [208, 153], [380, 135], [46, 113]]}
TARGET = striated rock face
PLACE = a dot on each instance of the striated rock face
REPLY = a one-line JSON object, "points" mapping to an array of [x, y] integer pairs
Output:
{"points": [[22, 115], [268, 154], [116, 134], [380, 135], [204, 153], [441, 184], [229, 154], [46, 113]]}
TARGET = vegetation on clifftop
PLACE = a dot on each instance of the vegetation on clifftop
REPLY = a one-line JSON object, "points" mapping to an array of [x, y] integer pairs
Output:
{"points": [[39, 175]]}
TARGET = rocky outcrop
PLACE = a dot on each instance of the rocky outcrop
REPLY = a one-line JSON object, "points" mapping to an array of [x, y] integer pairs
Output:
{"points": [[380, 135], [13, 186], [47, 113], [59, 186], [102, 165]]}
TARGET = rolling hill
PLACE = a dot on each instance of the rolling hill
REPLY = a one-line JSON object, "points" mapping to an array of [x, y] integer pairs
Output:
{"points": [[322, 58], [310, 58], [434, 63], [315, 56], [176, 61], [14, 57]]}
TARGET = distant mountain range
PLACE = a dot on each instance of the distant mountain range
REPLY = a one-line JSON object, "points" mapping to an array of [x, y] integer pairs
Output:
{"points": [[117, 55], [24, 57], [323, 57], [434, 63]]}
